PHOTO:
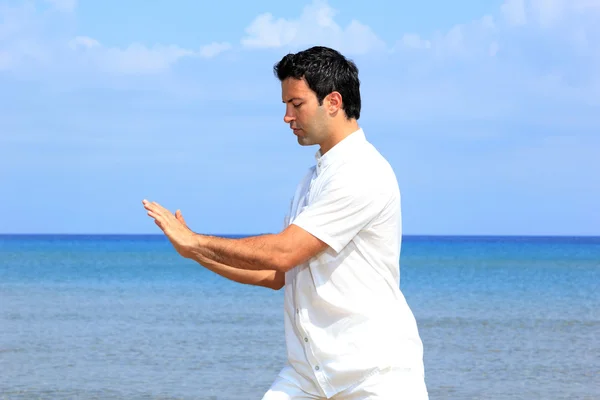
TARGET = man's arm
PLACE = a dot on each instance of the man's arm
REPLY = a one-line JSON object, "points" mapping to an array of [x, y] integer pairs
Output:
{"points": [[275, 252], [269, 279]]}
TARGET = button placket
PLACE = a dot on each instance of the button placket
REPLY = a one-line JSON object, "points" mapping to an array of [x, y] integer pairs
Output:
{"points": [[310, 357]]}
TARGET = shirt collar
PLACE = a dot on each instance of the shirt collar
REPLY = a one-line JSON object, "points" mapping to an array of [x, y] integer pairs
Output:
{"points": [[339, 150]]}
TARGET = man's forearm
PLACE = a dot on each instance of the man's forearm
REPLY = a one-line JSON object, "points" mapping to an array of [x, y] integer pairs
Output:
{"points": [[264, 252], [269, 279]]}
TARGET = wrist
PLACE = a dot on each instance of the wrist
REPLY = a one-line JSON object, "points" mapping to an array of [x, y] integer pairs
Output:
{"points": [[192, 245]]}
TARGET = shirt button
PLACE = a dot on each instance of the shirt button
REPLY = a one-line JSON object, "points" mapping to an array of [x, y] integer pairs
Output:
{"points": [[317, 368], [306, 339]]}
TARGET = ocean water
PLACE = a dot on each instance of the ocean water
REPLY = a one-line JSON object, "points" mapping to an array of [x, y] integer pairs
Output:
{"points": [[124, 317]]}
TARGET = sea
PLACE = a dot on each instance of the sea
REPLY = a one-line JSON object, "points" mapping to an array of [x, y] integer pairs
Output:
{"points": [[125, 317]]}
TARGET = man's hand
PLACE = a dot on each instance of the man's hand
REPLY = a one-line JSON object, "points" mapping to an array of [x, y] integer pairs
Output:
{"points": [[173, 226]]}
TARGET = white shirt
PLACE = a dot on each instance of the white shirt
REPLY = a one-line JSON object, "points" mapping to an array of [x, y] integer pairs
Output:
{"points": [[345, 316]]}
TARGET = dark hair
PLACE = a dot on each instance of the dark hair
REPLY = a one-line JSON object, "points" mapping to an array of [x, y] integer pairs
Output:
{"points": [[325, 70]]}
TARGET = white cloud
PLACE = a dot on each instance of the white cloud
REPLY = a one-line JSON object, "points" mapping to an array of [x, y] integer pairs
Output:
{"points": [[31, 40], [19, 41], [476, 37], [585, 5], [529, 28], [533, 61], [214, 49], [137, 58], [453, 41], [63, 5], [83, 41], [315, 26], [414, 41], [266, 32], [548, 12], [514, 12]]}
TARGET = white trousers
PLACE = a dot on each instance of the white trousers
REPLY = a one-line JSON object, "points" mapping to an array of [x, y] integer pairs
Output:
{"points": [[387, 385]]}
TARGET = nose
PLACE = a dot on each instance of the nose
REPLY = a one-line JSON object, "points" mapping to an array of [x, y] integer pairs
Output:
{"points": [[288, 117]]}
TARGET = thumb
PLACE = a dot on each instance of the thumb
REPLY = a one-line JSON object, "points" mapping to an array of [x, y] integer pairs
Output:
{"points": [[180, 217]]}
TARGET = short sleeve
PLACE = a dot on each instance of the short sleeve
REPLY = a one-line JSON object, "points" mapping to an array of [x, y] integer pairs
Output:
{"points": [[342, 208]]}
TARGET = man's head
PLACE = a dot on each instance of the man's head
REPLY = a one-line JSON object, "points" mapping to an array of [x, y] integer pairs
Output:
{"points": [[321, 90]]}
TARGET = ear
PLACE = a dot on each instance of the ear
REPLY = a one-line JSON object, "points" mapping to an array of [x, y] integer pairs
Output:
{"points": [[334, 102]]}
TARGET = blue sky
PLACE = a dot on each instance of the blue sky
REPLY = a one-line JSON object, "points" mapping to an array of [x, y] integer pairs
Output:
{"points": [[489, 112]]}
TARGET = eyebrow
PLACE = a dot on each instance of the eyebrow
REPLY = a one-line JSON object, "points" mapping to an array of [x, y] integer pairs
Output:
{"points": [[292, 99]]}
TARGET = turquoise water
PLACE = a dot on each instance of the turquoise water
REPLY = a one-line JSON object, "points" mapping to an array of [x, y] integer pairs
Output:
{"points": [[124, 317]]}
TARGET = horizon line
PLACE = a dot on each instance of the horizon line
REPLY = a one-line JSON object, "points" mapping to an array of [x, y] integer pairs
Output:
{"points": [[487, 235]]}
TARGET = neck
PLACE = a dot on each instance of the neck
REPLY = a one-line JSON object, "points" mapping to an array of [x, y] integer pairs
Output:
{"points": [[339, 133]]}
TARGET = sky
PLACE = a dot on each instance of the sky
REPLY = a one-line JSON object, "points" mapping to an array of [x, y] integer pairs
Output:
{"points": [[488, 111]]}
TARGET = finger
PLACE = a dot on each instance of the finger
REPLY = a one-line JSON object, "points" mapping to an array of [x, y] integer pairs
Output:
{"points": [[158, 211], [153, 206], [149, 206], [159, 208], [180, 217], [161, 224], [154, 215]]}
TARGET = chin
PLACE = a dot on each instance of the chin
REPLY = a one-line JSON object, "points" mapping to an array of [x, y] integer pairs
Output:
{"points": [[304, 141]]}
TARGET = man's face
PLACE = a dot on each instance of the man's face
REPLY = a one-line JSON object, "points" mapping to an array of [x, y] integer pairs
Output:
{"points": [[307, 119]]}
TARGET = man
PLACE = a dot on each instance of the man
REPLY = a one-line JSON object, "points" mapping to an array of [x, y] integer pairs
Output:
{"points": [[349, 332]]}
